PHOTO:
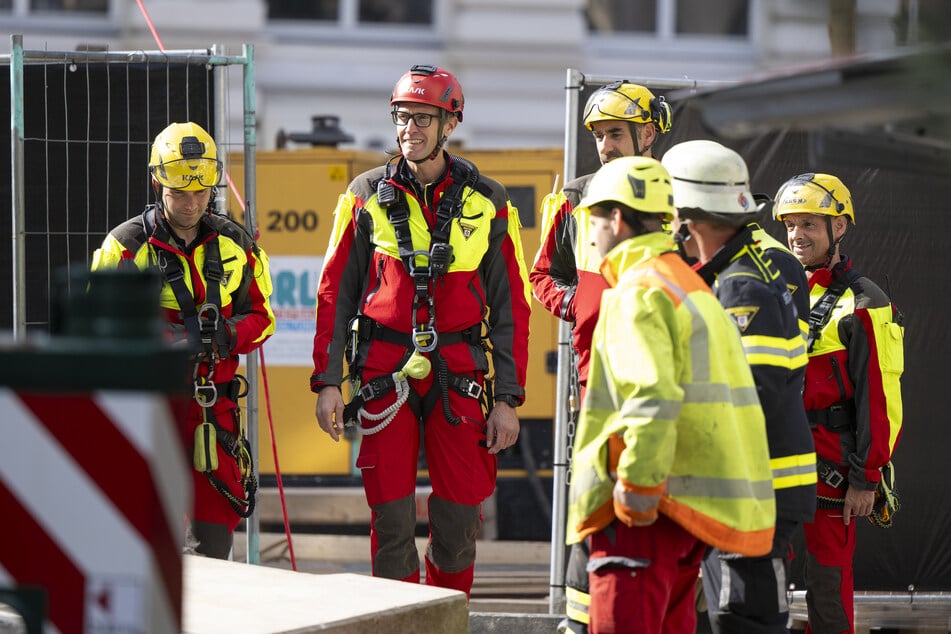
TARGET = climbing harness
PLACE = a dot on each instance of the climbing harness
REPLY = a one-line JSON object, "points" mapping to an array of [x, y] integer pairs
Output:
{"points": [[840, 417], [210, 335], [425, 268], [886, 497], [209, 434]]}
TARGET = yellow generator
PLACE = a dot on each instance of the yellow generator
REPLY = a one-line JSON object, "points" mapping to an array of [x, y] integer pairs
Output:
{"points": [[297, 191]]}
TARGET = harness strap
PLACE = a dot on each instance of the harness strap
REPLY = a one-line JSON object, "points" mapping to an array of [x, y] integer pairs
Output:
{"points": [[829, 473], [821, 313], [236, 446], [449, 208], [369, 329], [838, 418], [424, 337], [384, 384], [200, 325]]}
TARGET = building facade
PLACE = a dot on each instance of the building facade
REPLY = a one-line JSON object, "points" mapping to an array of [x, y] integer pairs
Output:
{"points": [[341, 57]]}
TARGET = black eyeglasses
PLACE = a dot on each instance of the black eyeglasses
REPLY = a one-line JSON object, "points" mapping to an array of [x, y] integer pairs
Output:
{"points": [[421, 119]]}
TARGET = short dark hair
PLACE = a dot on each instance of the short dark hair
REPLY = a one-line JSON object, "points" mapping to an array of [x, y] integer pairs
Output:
{"points": [[632, 217]]}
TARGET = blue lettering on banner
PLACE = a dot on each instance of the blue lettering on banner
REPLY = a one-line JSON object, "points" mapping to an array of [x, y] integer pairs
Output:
{"points": [[294, 299], [293, 288]]}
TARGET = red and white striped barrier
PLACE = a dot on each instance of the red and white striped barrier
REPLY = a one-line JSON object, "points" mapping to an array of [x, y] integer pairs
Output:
{"points": [[93, 491]]}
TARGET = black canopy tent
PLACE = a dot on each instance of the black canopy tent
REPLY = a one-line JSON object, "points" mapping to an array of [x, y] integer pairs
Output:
{"points": [[883, 125]]}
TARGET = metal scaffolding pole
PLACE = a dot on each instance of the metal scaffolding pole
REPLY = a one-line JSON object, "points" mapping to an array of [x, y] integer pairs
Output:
{"points": [[250, 222], [18, 233]]}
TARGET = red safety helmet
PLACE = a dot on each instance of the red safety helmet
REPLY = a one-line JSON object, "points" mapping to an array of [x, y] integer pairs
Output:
{"points": [[431, 85]]}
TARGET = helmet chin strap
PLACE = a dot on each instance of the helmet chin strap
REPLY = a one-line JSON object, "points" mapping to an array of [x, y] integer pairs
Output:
{"points": [[436, 150], [638, 151], [637, 146]]}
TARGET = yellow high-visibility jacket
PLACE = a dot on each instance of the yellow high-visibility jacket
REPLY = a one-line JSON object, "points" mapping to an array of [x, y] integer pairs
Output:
{"points": [[671, 422]]}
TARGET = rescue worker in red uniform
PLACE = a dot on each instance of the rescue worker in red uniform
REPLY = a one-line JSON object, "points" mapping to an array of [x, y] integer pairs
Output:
{"points": [[747, 595], [671, 449], [215, 298], [423, 276], [852, 392], [625, 119]]}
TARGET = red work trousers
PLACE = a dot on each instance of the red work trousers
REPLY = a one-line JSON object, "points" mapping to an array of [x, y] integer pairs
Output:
{"points": [[827, 571], [461, 471], [643, 579]]}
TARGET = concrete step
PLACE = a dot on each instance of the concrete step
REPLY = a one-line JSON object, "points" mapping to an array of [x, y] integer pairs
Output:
{"points": [[222, 597]]}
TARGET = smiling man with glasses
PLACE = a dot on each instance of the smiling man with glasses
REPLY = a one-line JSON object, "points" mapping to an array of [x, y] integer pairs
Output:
{"points": [[423, 276]]}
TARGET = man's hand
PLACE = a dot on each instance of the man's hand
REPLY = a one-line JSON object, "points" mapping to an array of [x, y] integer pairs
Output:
{"points": [[857, 503], [502, 428], [330, 411]]}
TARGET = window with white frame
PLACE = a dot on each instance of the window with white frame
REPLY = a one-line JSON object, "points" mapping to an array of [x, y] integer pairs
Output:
{"points": [[363, 12], [670, 18], [55, 7]]}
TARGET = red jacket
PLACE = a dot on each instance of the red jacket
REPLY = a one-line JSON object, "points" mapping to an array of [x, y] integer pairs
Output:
{"points": [[364, 274], [854, 370], [565, 276]]}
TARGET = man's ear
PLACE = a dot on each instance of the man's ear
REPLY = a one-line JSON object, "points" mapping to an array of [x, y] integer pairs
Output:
{"points": [[840, 225], [650, 136], [619, 227], [449, 124], [616, 221]]}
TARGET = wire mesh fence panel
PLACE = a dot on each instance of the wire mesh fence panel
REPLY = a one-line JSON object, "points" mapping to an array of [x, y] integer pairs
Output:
{"points": [[88, 124]]}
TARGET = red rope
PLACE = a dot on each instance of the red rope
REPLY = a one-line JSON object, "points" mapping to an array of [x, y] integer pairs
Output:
{"points": [[148, 20], [277, 468]]}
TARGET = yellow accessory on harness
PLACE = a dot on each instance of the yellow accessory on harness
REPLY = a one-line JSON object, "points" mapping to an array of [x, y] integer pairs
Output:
{"points": [[416, 367], [886, 499], [206, 447]]}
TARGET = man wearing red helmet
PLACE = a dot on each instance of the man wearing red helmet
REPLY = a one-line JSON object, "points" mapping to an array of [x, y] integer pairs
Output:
{"points": [[423, 276]]}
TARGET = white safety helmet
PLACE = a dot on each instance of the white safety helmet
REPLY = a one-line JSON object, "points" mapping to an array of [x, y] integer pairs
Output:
{"points": [[711, 182]]}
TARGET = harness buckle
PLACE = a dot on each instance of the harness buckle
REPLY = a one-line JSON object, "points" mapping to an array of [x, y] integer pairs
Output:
{"points": [[831, 476], [213, 320], [206, 394], [375, 388], [425, 338], [172, 274], [472, 389], [420, 271]]}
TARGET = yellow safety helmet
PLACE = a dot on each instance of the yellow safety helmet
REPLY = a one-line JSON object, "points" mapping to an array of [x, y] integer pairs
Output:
{"points": [[821, 194], [639, 182], [623, 101], [185, 157]]}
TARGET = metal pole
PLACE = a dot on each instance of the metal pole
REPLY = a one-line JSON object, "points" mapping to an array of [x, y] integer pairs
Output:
{"points": [[130, 57], [556, 597], [18, 217], [220, 131], [250, 222]]}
